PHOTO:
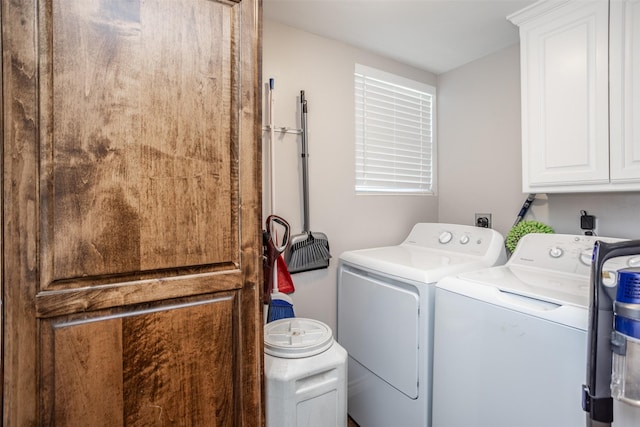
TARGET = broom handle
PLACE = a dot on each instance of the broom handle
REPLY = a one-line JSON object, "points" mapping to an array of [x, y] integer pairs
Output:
{"points": [[305, 165], [272, 155]]}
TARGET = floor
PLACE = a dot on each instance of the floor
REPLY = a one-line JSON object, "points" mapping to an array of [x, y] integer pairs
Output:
{"points": [[351, 423]]}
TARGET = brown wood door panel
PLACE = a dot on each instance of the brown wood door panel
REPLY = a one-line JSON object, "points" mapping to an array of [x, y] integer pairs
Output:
{"points": [[56, 303], [139, 139], [164, 364], [131, 213]]}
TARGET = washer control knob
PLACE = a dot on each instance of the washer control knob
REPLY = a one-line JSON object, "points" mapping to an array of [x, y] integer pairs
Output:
{"points": [[585, 256], [555, 252], [634, 261], [464, 239], [445, 237]]}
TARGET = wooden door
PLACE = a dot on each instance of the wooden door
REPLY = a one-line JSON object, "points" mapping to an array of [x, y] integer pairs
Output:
{"points": [[131, 203]]}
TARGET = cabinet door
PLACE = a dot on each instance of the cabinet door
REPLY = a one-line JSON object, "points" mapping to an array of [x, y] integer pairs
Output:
{"points": [[625, 91], [131, 202], [565, 96]]}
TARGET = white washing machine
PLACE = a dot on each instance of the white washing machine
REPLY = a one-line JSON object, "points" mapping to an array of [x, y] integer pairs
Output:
{"points": [[385, 317], [510, 342]]}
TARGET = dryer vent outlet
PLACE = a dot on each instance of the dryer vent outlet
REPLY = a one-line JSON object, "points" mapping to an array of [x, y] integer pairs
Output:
{"points": [[483, 220]]}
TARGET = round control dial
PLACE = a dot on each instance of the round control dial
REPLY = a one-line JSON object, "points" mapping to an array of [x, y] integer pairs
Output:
{"points": [[445, 237], [464, 239], [586, 255], [555, 252]]}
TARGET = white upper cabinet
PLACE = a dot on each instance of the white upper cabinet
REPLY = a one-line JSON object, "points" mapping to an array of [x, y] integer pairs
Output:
{"points": [[569, 65], [624, 69]]}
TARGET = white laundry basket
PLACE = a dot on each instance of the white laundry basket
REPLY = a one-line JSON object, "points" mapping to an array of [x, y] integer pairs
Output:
{"points": [[305, 373]]}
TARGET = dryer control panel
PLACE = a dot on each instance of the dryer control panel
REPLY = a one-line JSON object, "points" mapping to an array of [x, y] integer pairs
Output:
{"points": [[462, 239]]}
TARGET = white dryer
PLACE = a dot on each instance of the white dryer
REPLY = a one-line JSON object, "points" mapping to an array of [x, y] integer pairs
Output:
{"points": [[510, 341], [385, 317]]}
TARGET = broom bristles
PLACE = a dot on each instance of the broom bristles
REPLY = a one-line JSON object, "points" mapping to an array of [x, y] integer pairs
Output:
{"points": [[279, 309], [309, 254]]}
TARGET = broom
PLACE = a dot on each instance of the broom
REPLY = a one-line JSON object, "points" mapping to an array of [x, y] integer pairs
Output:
{"points": [[277, 278], [280, 304], [309, 250], [281, 276]]}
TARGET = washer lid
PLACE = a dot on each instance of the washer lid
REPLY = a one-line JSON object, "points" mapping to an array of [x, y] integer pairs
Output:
{"points": [[520, 297], [296, 337]]}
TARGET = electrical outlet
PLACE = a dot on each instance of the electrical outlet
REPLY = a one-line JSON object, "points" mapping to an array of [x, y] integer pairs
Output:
{"points": [[483, 220], [587, 223]]}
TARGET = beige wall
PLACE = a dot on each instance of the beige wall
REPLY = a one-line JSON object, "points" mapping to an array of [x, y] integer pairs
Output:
{"points": [[480, 157], [479, 133], [324, 70]]}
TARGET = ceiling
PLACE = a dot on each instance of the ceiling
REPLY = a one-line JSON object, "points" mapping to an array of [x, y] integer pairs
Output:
{"points": [[433, 35]]}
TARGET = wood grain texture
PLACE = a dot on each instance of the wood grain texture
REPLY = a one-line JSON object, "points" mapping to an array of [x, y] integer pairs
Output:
{"points": [[19, 204], [146, 180], [83, 372], [56, 303], [131, 212], [188, 381], [250, 406], [154, 365]]}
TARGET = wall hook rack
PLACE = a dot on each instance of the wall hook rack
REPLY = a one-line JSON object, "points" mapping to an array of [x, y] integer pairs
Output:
{"points": [[282, 129]]}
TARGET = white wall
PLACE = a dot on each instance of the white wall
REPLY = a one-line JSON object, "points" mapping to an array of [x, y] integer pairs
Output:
{"points": [[324, 70], [617, 214], [480, 157], [479, 141]]}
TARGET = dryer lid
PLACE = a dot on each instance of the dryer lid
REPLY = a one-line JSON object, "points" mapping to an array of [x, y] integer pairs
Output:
{"points": [[296, 337], [417, 264]]}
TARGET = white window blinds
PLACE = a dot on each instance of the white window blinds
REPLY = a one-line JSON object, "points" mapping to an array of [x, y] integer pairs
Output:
{"points": [[394, 133]]}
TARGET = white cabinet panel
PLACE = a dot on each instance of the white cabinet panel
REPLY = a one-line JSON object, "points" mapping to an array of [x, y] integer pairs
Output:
{"points": [[565, 97], [625, 91], [580, 64]]}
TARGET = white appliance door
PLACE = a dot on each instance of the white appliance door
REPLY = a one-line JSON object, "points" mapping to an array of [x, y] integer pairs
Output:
{"points": [[498, 367], [378, 326]]}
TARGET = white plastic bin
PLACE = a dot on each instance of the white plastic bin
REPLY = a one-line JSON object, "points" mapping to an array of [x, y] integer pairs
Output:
{"points": [[305, 373]]}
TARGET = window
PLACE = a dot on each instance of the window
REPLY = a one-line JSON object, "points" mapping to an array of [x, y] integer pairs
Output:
{"points": [[395, 142]]}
